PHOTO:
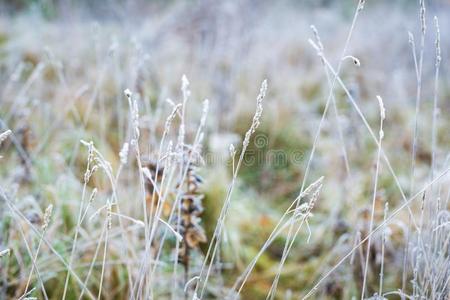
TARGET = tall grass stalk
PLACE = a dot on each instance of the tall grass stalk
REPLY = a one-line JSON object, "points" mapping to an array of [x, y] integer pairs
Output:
{"points": [[383, 246], [34, 266], [86, 178], [375, 230], [388, 164], [16, 212], [295, 215], [94, 258], [333, 99], [435, 106], [183, 171], [216, 239], [290, 237], [419, 67], [369, 129], [374, 194], [47, 216], [108, 228]]}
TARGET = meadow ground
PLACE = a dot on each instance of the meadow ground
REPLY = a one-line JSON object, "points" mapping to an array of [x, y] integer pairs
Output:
{"points": [[317, 167]]}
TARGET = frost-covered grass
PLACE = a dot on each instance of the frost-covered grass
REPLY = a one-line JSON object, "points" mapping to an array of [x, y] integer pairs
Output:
{"points": [[225, 150]]}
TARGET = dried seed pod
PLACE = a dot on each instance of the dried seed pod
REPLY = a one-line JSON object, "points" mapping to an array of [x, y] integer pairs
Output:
{"points": [[194, 236], [191, 209]]}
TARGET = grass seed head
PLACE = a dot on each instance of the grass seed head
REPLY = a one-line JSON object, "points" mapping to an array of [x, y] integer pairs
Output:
{"points": [[5, 252], [5, 135]]}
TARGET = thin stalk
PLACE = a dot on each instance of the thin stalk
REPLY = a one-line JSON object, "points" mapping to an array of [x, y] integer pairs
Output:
{"points": [[375, 230], [80, 211], [383, 246], [374, 196], [290, 236]]}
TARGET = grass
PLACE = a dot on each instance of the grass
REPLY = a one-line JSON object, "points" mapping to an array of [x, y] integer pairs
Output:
{"points": [[121, 179]]}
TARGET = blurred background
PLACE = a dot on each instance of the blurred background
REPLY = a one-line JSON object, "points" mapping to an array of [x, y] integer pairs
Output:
{"points": [[65, 64]]}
